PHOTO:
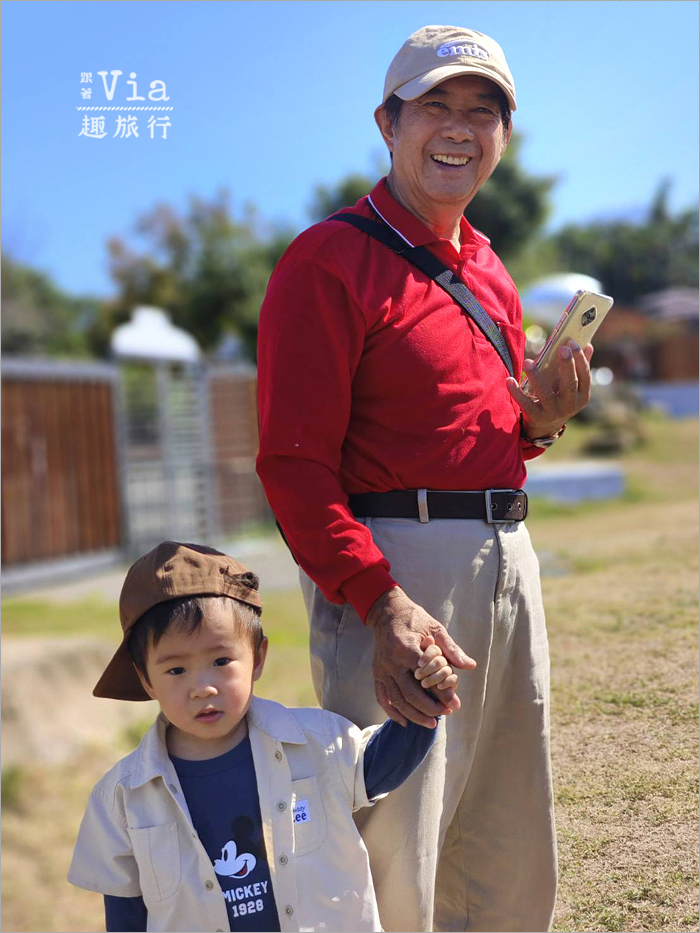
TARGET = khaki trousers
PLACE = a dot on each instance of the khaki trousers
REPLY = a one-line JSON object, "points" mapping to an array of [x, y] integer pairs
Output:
{"points": [[468, 842]]}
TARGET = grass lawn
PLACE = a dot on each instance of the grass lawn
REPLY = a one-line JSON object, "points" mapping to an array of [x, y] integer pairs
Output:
{"points": [[620, 581], [622, 608]]}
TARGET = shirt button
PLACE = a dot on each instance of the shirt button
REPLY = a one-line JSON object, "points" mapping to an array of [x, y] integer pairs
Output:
{"points": [[283, 859], [281, 805], [278, 756], [172, 788], [289, 910], [208, 885]]}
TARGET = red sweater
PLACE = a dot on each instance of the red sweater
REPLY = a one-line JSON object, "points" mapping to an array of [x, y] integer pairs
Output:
{"points": [[371, 378]]}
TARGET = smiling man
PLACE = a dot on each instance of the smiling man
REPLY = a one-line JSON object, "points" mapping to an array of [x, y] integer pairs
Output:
{"points": [[393, 443]]}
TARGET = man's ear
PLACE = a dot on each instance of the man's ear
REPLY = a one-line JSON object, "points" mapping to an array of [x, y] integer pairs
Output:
{"points": [[145, 684], [260, 659], [386, 127], [506, 139]]}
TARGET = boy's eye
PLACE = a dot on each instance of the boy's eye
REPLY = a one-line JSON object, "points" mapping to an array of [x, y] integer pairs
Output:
{"points": [[176, 670], [222, 662]]}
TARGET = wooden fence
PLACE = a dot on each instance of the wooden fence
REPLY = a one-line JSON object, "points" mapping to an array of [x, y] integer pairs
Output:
{"points": [[234, 444], [93, 461], [60, 488]]}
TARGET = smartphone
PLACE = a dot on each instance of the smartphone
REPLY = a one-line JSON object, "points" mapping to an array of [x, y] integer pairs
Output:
{"points": [[579, 322]]}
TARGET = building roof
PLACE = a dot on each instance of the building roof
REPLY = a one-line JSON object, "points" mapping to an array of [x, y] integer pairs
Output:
{"points": [[672, 304]]}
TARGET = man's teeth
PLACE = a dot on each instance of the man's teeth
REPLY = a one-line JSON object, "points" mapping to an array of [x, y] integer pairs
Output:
{"points": [[452, 160]]}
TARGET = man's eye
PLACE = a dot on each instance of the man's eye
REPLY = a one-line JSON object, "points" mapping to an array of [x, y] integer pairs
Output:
{"points": [[436, 103], [176, 670], [222, 662]]}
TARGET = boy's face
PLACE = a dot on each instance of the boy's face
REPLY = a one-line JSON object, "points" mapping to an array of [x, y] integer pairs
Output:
{"points": [[204, 683]]}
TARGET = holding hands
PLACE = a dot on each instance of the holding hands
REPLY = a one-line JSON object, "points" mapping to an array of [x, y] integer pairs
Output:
{"points": [[433, 669], [401, 629]]}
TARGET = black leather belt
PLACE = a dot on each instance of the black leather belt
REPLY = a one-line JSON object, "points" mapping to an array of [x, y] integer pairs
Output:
{"points": [[491, 505]]}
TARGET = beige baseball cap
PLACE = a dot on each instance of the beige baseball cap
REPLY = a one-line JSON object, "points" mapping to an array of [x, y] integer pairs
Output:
{"points": [[436, 53], [169, 571]]}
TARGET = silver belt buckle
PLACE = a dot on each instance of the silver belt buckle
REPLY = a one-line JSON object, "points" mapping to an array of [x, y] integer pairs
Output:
{"points": [[490, 506]]}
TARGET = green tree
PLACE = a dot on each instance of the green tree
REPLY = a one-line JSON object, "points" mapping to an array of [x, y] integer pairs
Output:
{"points": [[38, 317], [632, 260], [206, 269], [345, 193], [513, 205]]}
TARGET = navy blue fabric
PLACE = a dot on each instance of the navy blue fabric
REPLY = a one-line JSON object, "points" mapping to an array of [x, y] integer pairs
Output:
{"points": [[393, 754], [125, 914], [222, 797]]}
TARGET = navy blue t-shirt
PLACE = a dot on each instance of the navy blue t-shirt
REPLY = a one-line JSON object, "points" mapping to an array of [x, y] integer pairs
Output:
{"points": [[222, 797]]}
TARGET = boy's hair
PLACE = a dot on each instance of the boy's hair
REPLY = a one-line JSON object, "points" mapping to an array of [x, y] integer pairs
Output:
{"points": [[185, 615]]}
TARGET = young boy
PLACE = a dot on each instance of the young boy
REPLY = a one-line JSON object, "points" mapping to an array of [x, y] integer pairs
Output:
{"points": [[228, 794]]}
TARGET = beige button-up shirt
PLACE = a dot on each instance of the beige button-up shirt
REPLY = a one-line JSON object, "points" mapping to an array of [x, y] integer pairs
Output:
{"points": [[137, 835]]}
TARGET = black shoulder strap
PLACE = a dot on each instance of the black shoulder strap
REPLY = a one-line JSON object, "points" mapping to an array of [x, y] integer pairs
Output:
{"points": [[424, 260]]}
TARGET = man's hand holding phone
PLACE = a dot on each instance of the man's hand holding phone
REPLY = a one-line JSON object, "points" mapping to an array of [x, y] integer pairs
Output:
{"points": [[556, 394], [557, 385]]}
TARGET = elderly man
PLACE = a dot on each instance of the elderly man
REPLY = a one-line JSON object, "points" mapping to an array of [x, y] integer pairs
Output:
{"points": [[392, 449]]}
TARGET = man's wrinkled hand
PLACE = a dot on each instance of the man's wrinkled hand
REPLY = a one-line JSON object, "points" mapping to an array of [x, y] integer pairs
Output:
{"points": [[557, 398], [400, 627]]}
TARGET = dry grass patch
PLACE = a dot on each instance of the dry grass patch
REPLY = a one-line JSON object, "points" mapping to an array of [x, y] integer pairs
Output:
{"points": [[39, 827], [623, 634]]}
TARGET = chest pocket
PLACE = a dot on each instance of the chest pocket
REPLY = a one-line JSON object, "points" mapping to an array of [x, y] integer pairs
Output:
{"points": [[157, 853], [308, 815]]}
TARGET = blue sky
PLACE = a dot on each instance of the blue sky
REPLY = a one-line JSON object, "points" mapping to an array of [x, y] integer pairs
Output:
{"points": [[271, 98]]}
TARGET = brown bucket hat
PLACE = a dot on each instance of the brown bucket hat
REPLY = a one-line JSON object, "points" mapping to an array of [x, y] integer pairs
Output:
{"points": [[169, 571]]}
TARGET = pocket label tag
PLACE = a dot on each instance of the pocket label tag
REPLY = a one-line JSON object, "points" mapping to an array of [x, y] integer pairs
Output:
{"points": [[301, 812]]}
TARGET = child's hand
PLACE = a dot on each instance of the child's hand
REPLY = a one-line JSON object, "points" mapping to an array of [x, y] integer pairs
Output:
{"points": [[433, 670]]}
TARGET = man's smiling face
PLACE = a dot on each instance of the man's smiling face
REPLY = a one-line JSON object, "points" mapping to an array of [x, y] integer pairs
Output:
{"points": [[446, 143]]}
